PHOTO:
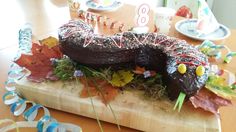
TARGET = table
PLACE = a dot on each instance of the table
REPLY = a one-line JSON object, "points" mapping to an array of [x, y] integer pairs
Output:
{"points": [[46, 16]]}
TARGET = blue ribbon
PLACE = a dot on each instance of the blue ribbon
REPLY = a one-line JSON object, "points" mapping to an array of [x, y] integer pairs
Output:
{"points": [[52, 127], [31, 113], [18, 105], [42, 121], [14, 98], [9, 85]]}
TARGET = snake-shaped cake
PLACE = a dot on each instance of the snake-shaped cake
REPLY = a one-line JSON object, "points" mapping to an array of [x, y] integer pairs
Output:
{"points": [[164, 54]]}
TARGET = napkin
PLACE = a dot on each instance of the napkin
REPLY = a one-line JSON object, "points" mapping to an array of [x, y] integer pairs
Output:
{"points": [[207, 22]]}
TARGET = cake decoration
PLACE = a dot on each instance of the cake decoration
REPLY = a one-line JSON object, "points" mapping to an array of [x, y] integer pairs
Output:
{"points": [[200, 70], [96, 18], [182, 68]]}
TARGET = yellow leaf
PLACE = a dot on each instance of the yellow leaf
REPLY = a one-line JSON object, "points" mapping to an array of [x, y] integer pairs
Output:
{"points": [[121, 78], [50, 41], [218, 85]]}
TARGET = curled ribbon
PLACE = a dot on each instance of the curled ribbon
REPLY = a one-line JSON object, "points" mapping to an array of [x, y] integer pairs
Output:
{"points": [[4, 129], [32, 112], [10, 97], [10, 85], [25, 35], [213, 50], [51, 127], [18, 105]]}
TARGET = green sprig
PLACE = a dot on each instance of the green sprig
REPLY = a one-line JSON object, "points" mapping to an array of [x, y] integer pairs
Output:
{"points": [[91, 100], [180, 101], [109, 105], [64, 69]]}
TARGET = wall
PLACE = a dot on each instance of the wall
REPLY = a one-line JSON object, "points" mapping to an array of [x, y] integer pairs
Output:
{"points": [[225, 12]]}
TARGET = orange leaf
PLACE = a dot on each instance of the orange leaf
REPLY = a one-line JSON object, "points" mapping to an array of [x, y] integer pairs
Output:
{"points": [[139, 70], [109, 93], [84, 93], [95, 88]]}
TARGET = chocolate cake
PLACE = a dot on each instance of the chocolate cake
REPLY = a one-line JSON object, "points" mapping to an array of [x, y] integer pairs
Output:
{"points": [[150, 50]]}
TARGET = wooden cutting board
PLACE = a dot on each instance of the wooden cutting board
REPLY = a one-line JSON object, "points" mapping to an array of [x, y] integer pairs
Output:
{"points": [[130, 107]]}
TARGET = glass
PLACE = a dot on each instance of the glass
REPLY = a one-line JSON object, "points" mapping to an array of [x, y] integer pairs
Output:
{"points": [[163, 17]]}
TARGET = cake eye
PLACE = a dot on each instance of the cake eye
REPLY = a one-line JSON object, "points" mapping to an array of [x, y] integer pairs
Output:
{"points": [[182, 68], [200, 70]]}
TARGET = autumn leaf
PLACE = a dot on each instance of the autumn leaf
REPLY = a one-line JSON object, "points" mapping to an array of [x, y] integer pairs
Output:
{"points": [[139, 70], [39, 63], [121, 78], [101, 88], [108, 93], [49, 41], [208, 101], [218, 85], [53, 52]]}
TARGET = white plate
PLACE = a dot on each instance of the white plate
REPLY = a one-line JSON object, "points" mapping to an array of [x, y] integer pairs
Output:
{"points": [[116, 4], [187, 27]]}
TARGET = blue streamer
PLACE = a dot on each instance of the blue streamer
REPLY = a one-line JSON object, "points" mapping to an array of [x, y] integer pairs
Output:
{"points": [[25, 35], [12, 100], [31, 113], [52, 127], [18, 105], [42, 121]]}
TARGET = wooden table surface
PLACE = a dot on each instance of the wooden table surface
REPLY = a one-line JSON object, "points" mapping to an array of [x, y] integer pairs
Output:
{"points": [[46, 16]]}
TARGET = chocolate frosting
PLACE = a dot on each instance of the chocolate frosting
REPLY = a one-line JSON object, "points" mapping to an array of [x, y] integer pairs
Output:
{"points": [[152, 50]]}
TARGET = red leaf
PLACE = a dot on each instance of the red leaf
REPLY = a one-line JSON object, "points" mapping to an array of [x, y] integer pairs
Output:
{"points": [[53, 52], [39, 63], [208, 101]]}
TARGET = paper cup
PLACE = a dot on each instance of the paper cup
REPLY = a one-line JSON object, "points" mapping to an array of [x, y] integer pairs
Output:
{"points": [[163, 17]]}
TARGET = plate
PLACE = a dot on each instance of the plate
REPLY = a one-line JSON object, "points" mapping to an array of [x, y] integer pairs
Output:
{"points": [[187, 28], [115, 5]]}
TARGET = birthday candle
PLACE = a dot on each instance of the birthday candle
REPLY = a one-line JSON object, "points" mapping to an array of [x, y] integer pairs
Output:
{"points": [[142, 13], [142, 18]]}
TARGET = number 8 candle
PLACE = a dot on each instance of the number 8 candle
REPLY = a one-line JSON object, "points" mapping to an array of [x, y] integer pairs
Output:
{"points": [[142, 18]]}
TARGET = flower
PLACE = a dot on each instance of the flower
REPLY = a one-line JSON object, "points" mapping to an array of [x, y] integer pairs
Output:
{"points": [[53, 61], [78, 73], [146, 73]]}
